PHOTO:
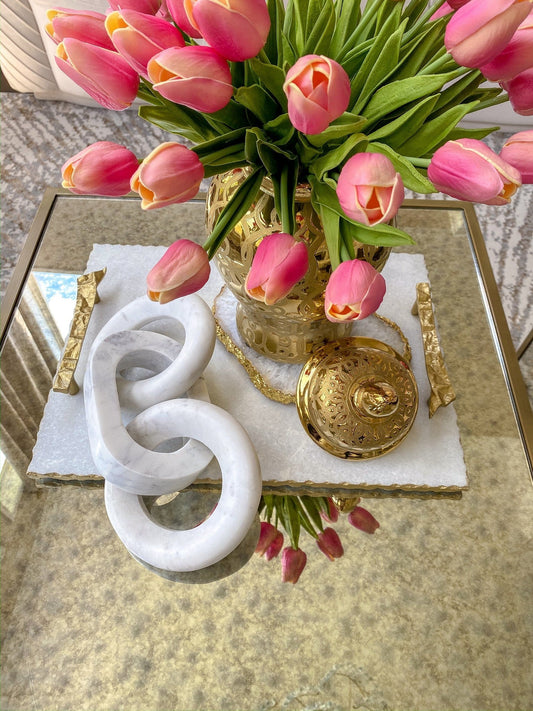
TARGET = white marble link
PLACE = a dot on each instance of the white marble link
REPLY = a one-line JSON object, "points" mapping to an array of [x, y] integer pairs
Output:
{"points": [[118, 457], [196, 320], [221, 533]]}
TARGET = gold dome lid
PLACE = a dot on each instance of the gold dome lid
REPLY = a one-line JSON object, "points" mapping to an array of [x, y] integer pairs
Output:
{"points": [[357, 398]]}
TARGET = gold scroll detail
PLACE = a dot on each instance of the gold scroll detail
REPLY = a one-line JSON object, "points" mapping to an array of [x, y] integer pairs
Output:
{"points": [[442, 392], [86, 298]]}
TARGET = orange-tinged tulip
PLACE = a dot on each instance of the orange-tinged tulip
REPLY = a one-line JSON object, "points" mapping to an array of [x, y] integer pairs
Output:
{"points": [[480, 30], [279, 263], [103, 168], [363, 520], [138, 37], [84, 25], [369, 189], [354, 291], [182, 270], [318, 92], [518, 152], [197, 77], [171, 173], [293, 562], [181, 13], [104, 75], [467, 169]]}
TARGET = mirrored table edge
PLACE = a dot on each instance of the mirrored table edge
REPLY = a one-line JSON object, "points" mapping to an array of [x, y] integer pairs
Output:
{"points": [[487, 284]]}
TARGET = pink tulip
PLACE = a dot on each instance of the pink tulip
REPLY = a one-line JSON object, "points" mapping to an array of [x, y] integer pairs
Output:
{"points": [[456, 4], [196, 77], [443, 10], [479, 30], [267, 535], [104, 75], [318, 92], [516, 57], [274, 548], [518, 152], [83, 25], [171, 173], [103, 168], [354, 291], [369, 189], [520, 90], [182, 270], [279, 263], [149, 7], [237, 29], [138, 37], [330, 544], [467, 169], [293, 562], [332, 516], [363, 520], [183, 19]]}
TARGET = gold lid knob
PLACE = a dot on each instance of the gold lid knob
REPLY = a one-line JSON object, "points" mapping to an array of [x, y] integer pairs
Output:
{"points": [[357, 398]]}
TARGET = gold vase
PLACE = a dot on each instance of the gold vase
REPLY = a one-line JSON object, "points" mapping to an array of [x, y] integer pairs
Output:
{"points": [[291, 329]]}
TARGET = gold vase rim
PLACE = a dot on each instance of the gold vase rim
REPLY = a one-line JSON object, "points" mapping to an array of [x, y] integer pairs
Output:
{"points": [[357, 398]]}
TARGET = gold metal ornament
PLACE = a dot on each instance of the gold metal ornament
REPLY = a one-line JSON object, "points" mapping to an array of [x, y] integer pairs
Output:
{"points": [[442, 392], [289, 330], [357, 398], [86, 298]]}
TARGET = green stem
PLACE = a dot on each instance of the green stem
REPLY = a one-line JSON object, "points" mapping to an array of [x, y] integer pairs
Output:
{"points": [[418, 162], [438, 64]]}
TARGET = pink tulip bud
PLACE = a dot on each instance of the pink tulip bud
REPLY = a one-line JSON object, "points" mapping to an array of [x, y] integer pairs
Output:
{"points": [[181, 13], [274, 548], [456, 4], [171, 173], [354, 291], [516, 57], [267, 535], [138, 37], [330, 544], [332, 516], [467, 169], [520, 90], [83, 25], [196, 77], [443, 10], [318, 92], [363, 520], [104, 75], [279, 263], [182, 270], [293, 562], [237, 29], [103, 168], [149, 7], [369, 189], [518, 152], [479, 30]]}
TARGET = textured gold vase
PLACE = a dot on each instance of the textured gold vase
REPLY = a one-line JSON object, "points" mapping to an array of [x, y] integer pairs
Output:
{"points": [[291, 329]]}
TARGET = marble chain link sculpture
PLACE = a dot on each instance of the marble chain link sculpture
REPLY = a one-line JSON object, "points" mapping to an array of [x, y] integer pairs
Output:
{"points": [[128, 419]]}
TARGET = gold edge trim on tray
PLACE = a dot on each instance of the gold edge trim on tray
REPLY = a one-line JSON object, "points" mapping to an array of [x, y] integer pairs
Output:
{"points": [[86, 298], [442, 392]]}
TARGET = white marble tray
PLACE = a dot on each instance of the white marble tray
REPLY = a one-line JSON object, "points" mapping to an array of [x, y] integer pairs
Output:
{"points": [[429, 460]]}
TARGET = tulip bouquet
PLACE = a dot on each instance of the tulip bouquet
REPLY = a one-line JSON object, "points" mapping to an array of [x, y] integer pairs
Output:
{"points": [[357, 100]]}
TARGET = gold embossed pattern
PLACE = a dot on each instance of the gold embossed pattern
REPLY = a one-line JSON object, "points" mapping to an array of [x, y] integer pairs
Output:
{"points": [[357, 398]]}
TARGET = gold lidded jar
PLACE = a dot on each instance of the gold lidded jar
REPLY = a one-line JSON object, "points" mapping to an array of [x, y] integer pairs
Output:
{"points": [[290, 330]]}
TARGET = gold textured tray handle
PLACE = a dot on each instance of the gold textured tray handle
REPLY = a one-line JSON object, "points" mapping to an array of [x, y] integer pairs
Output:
{"points": [[442, 392], [86, 298]]}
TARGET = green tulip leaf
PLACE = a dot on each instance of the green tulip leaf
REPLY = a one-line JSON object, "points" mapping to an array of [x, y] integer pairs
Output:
{"points": [[230, 139], [313, 508], [345, 125], [435, 131], [280, 130], [414, 54], [276, 10], [272, 77], [253, 136], [411, 177], [459, 91], [330, 225], [348, 17], [258, 101], [180, 120], [406, 125], [319, 27], [335, 158], [404, 91]]}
